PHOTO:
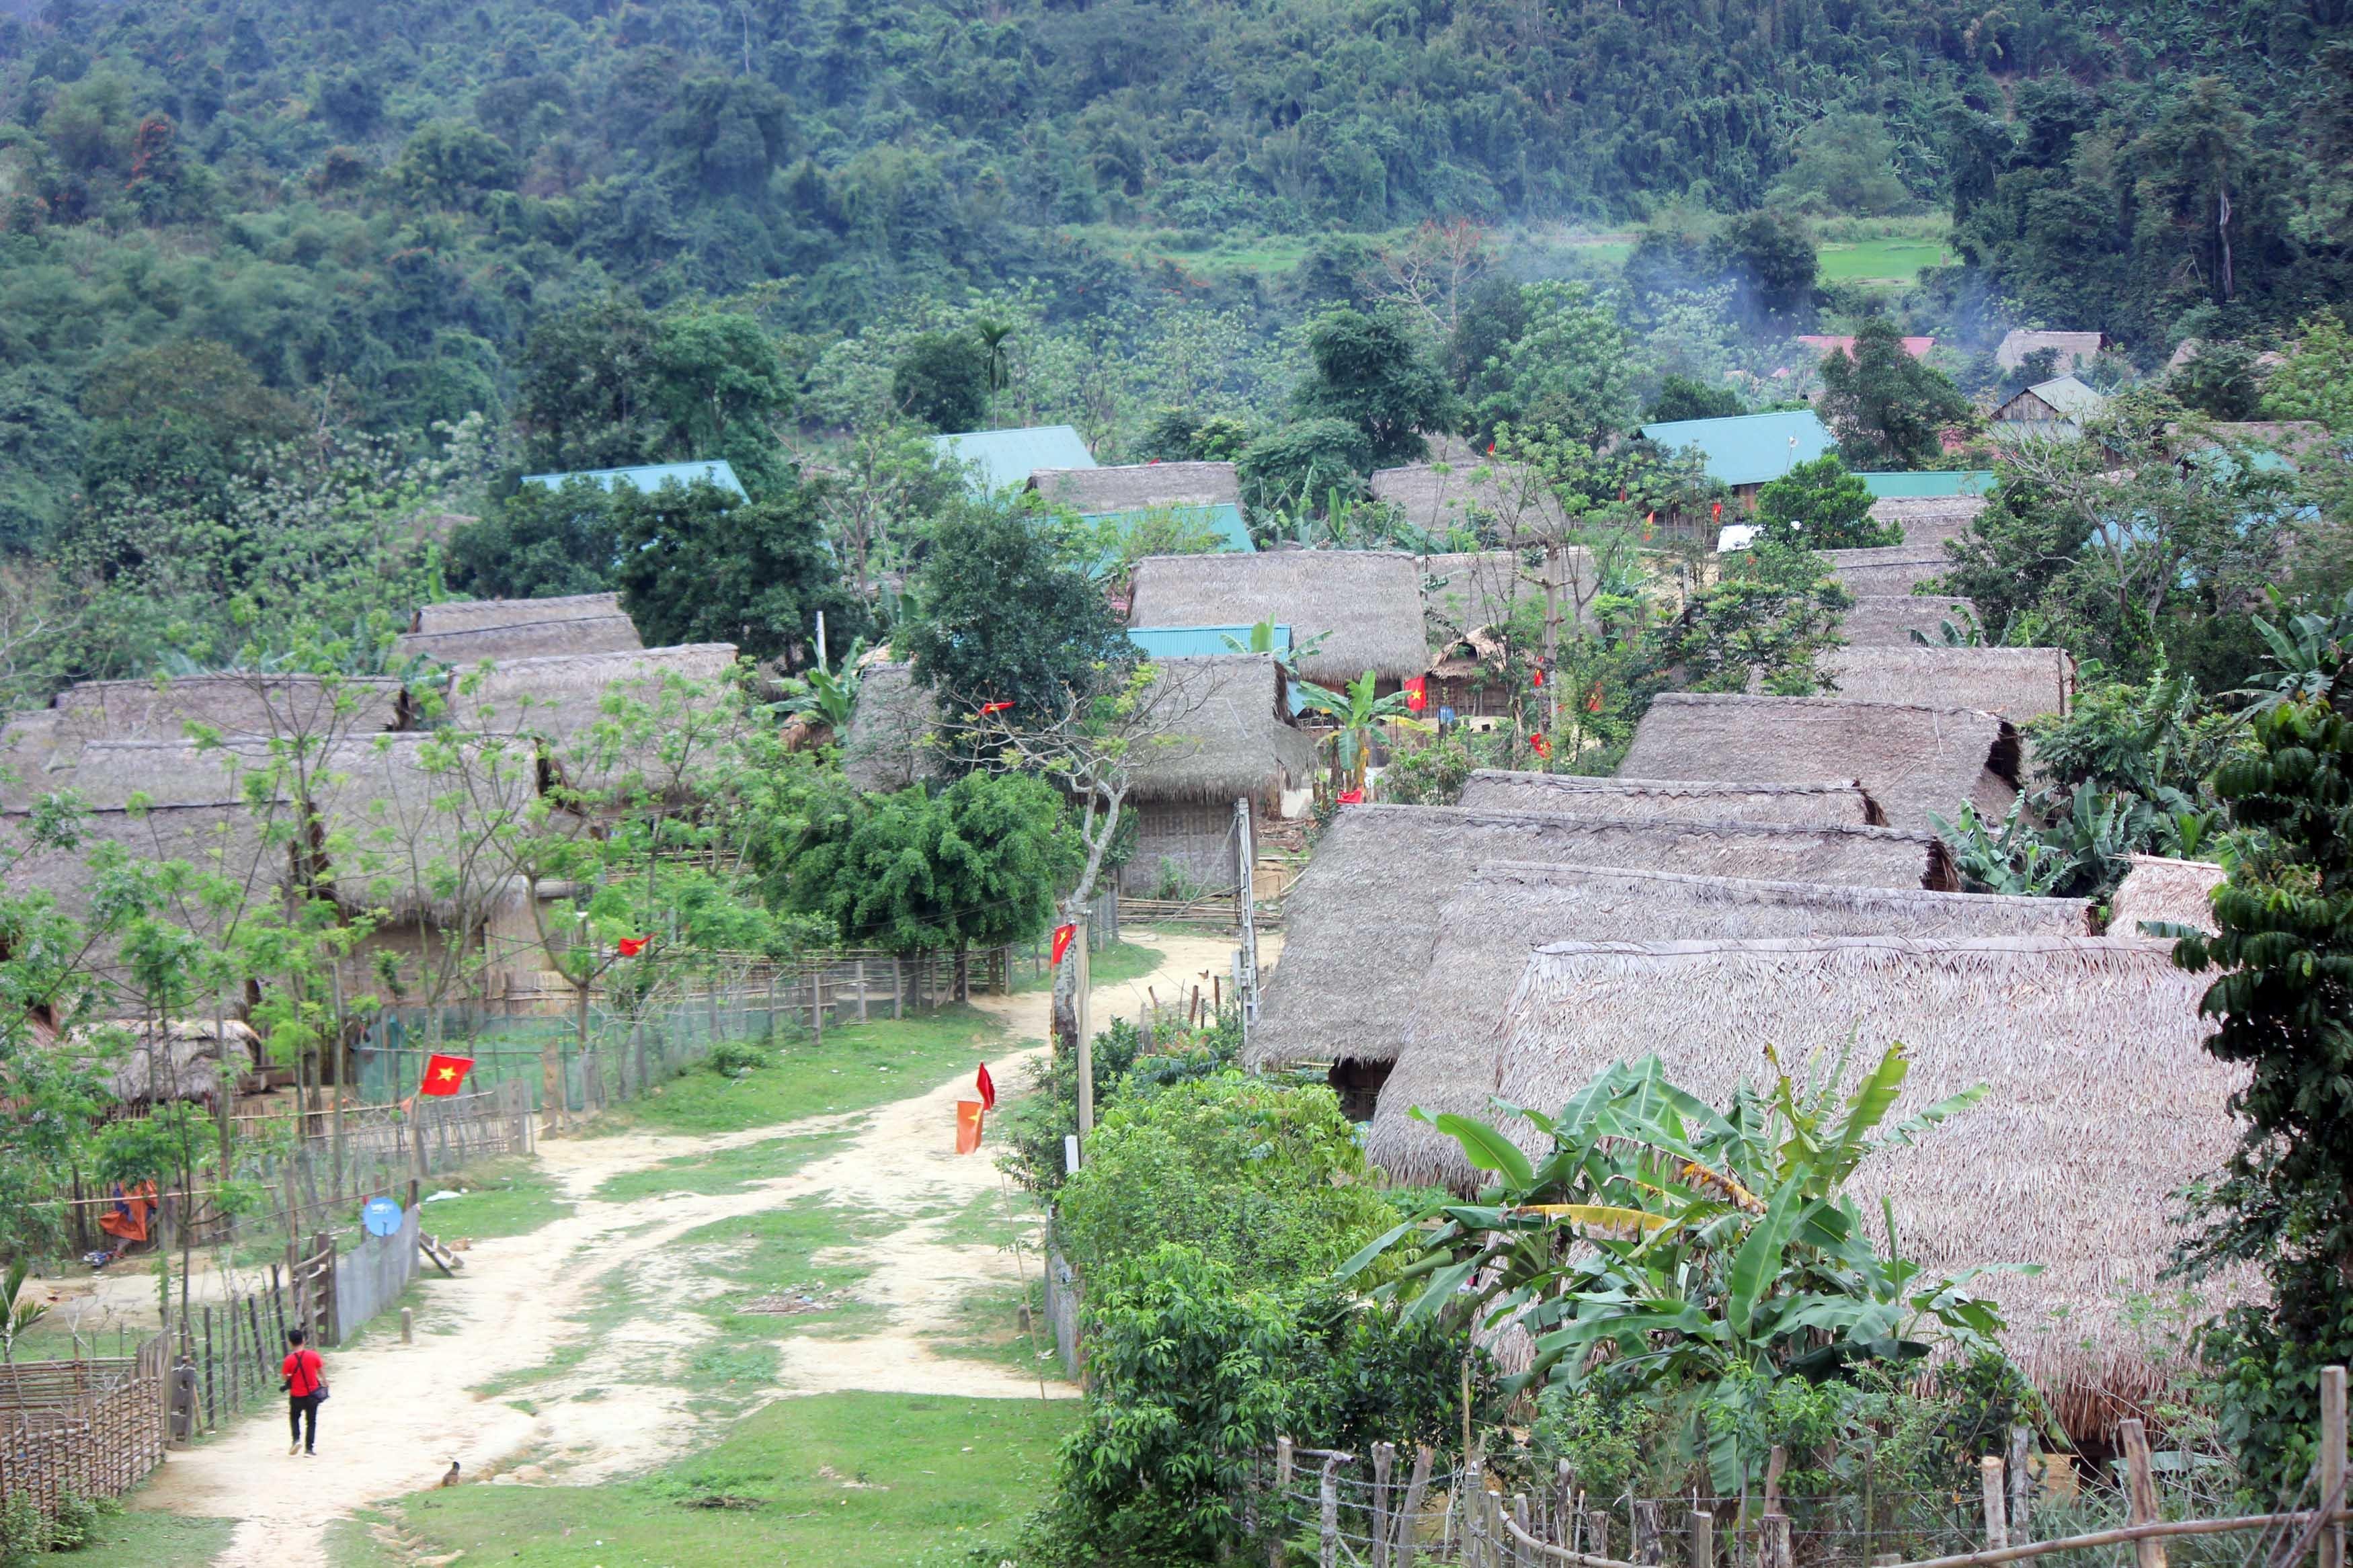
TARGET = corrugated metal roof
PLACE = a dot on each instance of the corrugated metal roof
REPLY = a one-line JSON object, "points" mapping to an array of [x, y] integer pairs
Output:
{"points": [[648, 476], [1749, 448], [1006, 459], [1927, 484], [2069, 395], [1198, 642], [1225, 521]]}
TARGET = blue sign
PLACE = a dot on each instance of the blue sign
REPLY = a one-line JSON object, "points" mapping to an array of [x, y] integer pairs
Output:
{"points": [[381, 1217]]}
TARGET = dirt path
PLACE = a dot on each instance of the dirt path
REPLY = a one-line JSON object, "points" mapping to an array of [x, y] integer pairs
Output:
{"points": [[400, 1412]]}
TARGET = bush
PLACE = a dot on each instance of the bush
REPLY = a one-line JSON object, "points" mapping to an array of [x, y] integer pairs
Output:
{"points": [[76, 1525], [24, 1532], [734, 1058]]}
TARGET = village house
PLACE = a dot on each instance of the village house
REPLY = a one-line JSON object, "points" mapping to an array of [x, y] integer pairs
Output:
{"points": [[1746, 452], [995, 461], [1206, 495], [2052, 410], [2070, 350], [1366, 606], [468, 631]]}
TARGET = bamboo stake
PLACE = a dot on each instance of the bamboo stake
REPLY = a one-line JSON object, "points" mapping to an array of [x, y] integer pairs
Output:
{"points": [[2332, 1462], [2141, 1499], [1996, 1519]]}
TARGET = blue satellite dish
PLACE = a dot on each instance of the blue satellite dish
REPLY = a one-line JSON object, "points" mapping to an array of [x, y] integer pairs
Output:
{"points": [[381, 1217]]}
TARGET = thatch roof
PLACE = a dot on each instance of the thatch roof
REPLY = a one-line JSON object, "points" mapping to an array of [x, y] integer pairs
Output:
{"points": [[1228, 734], [1913, 760], [2018, 683], [2073, 348], [1369, 601], [1486, 931], [2177, 892], [1928, 520], [561, 699], [1138, 486], [182, 1059], [409, 819], [246, 844], [468, 631], [1504, 501], [886, 749], [2104, 1102], [1360, 922], [1837, 801], [1467, 590], [111, 774], [32, 747], [1888, 620], [239, 705], [1896, 569]]}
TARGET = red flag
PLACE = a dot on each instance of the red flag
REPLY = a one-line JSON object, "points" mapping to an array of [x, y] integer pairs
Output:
{"points": [[968, 1115], [1417, 694], [1538, 678], [1541, 745], [1593, 698], [443, 1075], [1719, 512], [1063, 935], [986, 1086], [632, 946], [989, 708], [1351, 797]]}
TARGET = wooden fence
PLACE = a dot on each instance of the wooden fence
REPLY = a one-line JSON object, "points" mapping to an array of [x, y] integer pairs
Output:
{"points": [[92, 1427]]}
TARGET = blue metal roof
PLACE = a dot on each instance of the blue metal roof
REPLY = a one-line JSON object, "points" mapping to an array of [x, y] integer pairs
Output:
{"points": [[647, 476], [1197, 642], [1928, 483], [1749, 448], [1225, 520], [1006, 459]]}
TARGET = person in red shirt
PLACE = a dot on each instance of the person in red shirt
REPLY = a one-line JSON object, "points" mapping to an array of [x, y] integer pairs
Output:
{"points": [[305, 1382]]}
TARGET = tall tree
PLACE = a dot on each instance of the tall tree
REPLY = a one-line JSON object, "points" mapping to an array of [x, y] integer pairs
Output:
{"points": [[1370, 371], [1820, 506], [1887, 409], [697, 564]]}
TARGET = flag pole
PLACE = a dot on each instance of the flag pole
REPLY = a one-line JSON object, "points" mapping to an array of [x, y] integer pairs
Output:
{"points": [[1080, 1011]]}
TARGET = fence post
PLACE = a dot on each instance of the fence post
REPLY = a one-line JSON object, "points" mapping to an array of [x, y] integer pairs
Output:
{"points": [[1521, 1551], [1384, 1460], [1281, 1490], [1327, 1513], [2141, 1491], [2021, 1484], [1649, 1546], [1416, 1489], [1776, 1532], [2332, 1465], [1997, 1516], [1703, 1539]]}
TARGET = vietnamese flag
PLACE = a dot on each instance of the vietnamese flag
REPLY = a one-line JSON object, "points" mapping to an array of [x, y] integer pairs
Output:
{"points": [[1536, 679], [632, 946], [1719, 512], [1417, 694], [1063, 935], [443, 1075], [986, 1086], [989, 708], [1351, 797], [1593, 698], [968, 1115], [1541, 745]]}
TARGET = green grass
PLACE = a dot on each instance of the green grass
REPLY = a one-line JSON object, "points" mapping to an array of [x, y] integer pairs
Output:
{"points": [[1892, 260], [988, 1328], [774, 1250], [153, 1541], [502, 1197], [858, 1067], [876, 1480], [724, 1170]]}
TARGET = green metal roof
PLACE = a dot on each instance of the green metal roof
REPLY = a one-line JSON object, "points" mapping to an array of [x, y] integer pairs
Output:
{"points": [[1198, 642], [1004, 459], [2071, 396], [1225, 520], [646, 477], [1928, 483], [1749, 448]]}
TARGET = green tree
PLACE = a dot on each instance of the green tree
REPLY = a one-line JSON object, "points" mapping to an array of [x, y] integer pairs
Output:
{"points": [[1887, 409], [541, 541], [942, 380], [1820, 506], [1773, 612], [1679, 398], [1301, 464], [1568, 370], [1769, 259], [1845, 164], [699, 563], [1370, 371], [450, 164], [2317, 381]]}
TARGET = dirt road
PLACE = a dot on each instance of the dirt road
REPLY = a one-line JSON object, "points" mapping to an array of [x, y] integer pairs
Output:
{"points": [[400, 1412]]}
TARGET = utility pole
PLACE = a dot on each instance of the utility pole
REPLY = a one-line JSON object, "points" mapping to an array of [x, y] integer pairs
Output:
{"points": [[1246, 905], [1080, 1011]]}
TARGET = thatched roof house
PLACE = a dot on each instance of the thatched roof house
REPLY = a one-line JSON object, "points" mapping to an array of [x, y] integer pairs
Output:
{"points": [[1138, 486], [1894, 569], [1368, 601], [246, 845], [31, 749], [2176, 892], [236, 705], [1841, 802], [2018, 683], [180, 1059], [2104, 1101], [1916, 761], [1888, 620], [1505, 501], [1928, 520], [2072, 349], [1361, 921], [468, 631], [561, 699], [887, 747], [1502, 912]]}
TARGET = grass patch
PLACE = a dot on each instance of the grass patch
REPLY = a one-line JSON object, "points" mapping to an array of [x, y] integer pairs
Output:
{"points": [[154, 1541], [1120, 962], [615, 1303], [502, 1197], [858, 1067], [988, 1328], [775, 1252], [350, 1544], [724, 1170], [877, 1479], [1898, 261]]}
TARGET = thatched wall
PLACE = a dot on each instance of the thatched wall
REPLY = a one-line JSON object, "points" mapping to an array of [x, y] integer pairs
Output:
{"points": [[282, 706], [1138, 486], [522, 638], [1360, 924], [1368, 600], [1913, 760], [1678, 800], [1895, 569], [1888, 620], [1928, 520], [2104, 1102], [1504, 911], [1504, 501], [2177, 892], [887, 747], [2018, 683]]}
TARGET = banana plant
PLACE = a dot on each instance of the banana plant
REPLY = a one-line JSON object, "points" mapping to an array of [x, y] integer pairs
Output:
{"points": [[1358, 715], [1665, 1249], [824, 698], [1262, 640]]}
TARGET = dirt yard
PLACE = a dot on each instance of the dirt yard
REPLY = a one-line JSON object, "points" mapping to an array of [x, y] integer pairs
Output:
{"points": [[400, 1412]]}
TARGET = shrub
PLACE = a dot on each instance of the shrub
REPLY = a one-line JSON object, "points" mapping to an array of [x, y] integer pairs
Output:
{"points": [[24, 1532], [76, 1525], [734, 1058]]}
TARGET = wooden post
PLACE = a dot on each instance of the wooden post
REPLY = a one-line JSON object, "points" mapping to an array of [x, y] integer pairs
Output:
{"points": [[1416, 1491], [1596, 1532], [1282, 1486], [2332, 1465], [1519, 1552], [1997, 1512], [1564, 1511], [407, 1326], [1649, 1543], [1703, 1539], [1775, 1463], [2140, 1497], [2021, 1484], [1327, 1514], [862, 991], [1080, 1011], [1776, 1533], [1384, 1460]]}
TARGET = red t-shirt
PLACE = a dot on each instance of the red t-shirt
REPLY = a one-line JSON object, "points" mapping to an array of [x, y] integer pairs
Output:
{"points": [[302, 1372]]}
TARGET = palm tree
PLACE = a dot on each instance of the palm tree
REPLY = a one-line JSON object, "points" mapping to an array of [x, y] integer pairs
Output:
{"points": [[996, 351]]}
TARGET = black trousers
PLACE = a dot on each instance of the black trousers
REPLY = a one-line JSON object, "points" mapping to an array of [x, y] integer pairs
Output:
{"points": [[301, 1408]]}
